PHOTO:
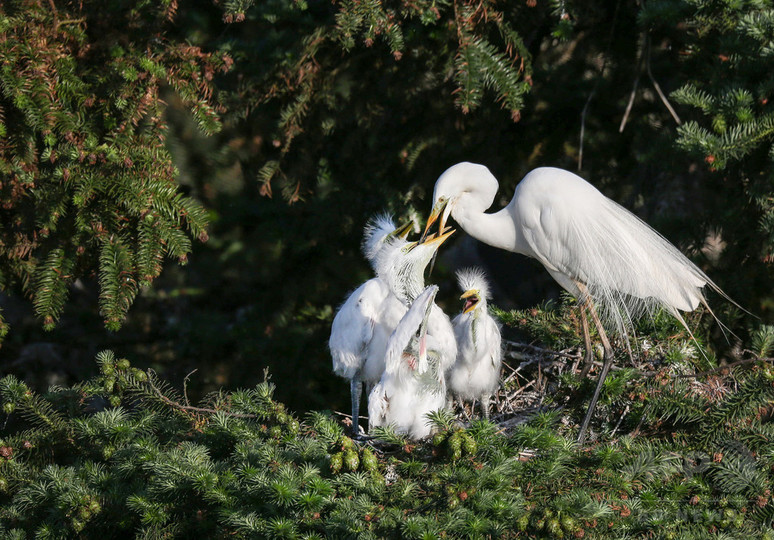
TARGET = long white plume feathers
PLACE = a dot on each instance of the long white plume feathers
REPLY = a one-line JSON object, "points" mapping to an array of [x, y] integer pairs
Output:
{"points": [[631, 270]]}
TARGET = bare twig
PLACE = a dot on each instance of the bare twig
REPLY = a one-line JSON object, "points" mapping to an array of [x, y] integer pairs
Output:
{"points": [[185, 386], [189, 408], [629, 105], [519, 390], [72, 21], [639, 424], [727, 366], [650, 374], [661, 95], [534, 348], [52, 5], [620, 419], [345, 415], [600, 364]]}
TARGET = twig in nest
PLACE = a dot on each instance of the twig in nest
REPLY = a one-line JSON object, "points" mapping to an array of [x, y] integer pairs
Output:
{"points": [[519, 390], [345, 415], [518, 345], [727, 366], [620, 419], [597, 363]]}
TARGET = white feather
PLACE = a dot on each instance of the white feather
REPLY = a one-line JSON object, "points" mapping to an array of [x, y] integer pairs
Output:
{"points": [[579, 235], [474, 279], [376, 231], [403, 396], [476, 372], [353, 327], [405, 274], [364, 322]]}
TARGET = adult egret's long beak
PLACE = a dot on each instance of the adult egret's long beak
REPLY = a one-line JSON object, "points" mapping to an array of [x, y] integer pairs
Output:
{"points": [[471, 300], [438, 211]]}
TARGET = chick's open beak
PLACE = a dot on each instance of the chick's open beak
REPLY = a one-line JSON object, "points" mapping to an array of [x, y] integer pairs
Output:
{"points": [[438, 211], [404, 230], [438, 238], [471, 300]]}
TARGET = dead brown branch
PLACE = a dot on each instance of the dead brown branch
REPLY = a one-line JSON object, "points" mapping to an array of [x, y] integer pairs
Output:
{"points": [[190, 408]]}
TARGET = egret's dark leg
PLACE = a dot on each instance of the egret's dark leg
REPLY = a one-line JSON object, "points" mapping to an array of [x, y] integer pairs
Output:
{"points": [[589, 357], [355, 388], [465, 409], [608, 361], [485, 406]]}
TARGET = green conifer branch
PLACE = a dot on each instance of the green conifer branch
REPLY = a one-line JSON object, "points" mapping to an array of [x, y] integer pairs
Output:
{"points": [[82, 150], [51, 286]]}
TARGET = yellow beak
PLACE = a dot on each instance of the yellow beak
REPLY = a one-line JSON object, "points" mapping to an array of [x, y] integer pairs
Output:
{"points": [[470, 305], [438, 238], [404, 230], [438, 211]]}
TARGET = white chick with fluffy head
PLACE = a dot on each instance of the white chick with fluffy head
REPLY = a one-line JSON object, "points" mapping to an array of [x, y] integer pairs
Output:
{"points": [[476, 372]]}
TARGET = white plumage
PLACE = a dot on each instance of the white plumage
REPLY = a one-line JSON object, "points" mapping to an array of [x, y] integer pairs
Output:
{"points": [[405, 276], [408, 390], [594, 248], [476, 373], [364, 322]]}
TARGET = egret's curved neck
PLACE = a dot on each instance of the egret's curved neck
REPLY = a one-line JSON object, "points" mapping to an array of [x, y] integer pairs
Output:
{"points": [[497, 229]]}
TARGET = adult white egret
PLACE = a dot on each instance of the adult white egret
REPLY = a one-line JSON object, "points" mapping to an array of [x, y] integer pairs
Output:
{"points": [[364, 322], [407, 390], [597, 250], [476, 373]]}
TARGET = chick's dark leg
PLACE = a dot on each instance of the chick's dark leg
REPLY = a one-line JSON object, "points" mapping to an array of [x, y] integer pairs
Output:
{"points": [[355, 389]]}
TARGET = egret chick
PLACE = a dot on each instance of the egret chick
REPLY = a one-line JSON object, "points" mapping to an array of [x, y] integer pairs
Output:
{"points": [[476, 373], [405, 393], [364, 322], [604, 255], [405, 276]]}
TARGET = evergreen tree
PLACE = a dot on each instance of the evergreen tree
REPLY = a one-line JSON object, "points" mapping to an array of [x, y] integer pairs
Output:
{"points": [[726, 58], [87, 182], [371, 67], [123, 454]]}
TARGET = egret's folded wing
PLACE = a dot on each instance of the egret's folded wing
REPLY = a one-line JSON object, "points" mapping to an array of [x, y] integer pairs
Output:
{"points": [[353, 327], [583, 236]]}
